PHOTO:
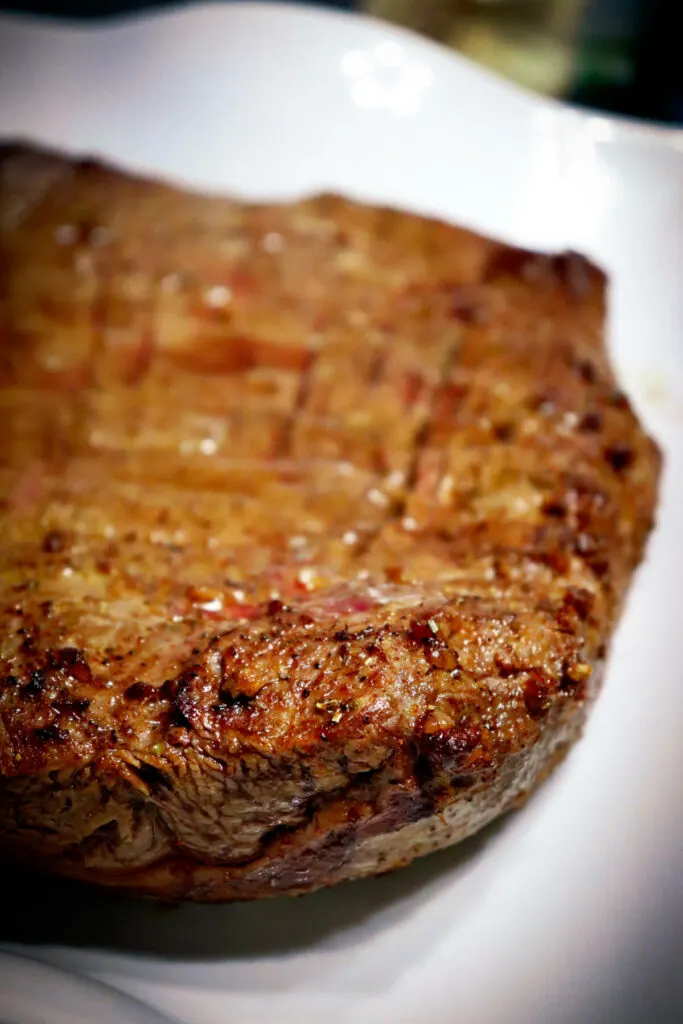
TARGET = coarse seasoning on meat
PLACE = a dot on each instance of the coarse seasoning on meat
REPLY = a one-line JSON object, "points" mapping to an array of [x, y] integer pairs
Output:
{"points": [[316, 522]]}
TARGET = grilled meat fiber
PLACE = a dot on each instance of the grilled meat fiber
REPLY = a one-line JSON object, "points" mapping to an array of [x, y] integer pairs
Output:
{"points": [[316, 522]]}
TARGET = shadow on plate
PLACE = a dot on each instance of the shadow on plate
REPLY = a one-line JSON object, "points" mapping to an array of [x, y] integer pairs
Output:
{"points": [[57, 912]]}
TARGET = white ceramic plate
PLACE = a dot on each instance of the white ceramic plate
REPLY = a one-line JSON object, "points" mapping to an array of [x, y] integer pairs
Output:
{"points": [[35, 993], [550, 915]]}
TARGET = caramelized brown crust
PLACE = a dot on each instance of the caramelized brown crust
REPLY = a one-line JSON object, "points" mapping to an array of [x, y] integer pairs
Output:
{"points": [[316, 521]]}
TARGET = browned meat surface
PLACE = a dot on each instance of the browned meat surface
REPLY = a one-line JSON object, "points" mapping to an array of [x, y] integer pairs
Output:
{"points": [[316, 523]]}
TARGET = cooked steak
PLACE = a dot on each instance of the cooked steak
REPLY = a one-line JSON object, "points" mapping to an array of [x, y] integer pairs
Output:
{"points": [[316, 519]]}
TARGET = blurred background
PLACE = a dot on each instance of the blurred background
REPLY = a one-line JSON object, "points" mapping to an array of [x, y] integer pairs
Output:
{"points": [[620, 56]]}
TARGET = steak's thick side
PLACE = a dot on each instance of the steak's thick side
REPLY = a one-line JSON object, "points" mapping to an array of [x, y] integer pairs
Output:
{"points": [[316, 523]]}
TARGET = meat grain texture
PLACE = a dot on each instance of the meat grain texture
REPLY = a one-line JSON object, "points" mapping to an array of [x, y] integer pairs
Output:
{"points": [[316, 522]]}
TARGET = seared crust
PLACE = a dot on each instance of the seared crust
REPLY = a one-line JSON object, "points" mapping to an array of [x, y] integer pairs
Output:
{"points": [[317, 520]]}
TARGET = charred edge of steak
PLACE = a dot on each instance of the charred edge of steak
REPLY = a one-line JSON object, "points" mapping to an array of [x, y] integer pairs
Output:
{"points": [[569, 270], [152, 776]]}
